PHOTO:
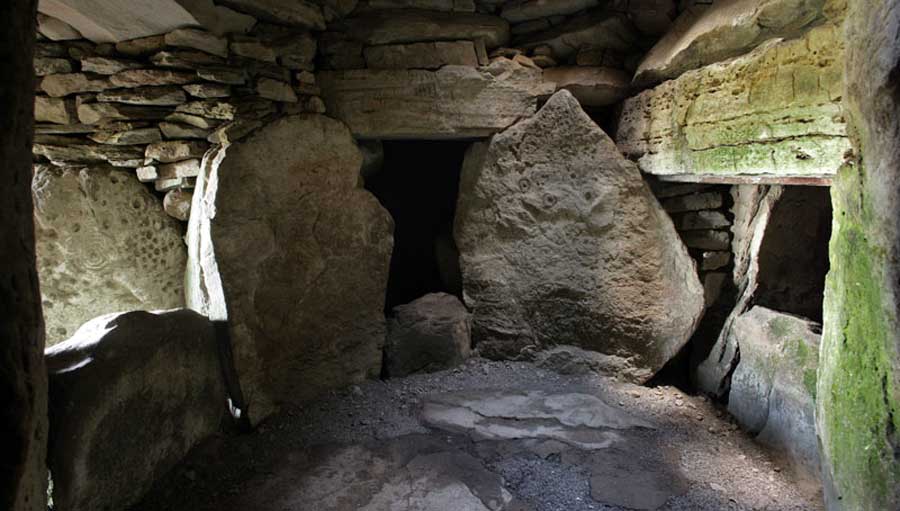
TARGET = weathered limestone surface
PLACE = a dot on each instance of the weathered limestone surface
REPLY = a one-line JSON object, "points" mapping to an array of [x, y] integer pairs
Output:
{"points": [[104, 244], [23, 378], [774, 111], [706, 34], [130, 394], [591, 86], [859, 369], [773, 388], [295, 255], [410, 26], [452, 102], [561, 242], [428, 334], [103, 20]]}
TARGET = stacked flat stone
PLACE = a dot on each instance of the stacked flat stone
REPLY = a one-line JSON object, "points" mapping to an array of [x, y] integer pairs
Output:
{"points": [[702, 217], [157, 104]]}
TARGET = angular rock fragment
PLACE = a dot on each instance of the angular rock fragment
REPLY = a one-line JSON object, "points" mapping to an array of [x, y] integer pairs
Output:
{"points": [[151, 77], [549, 255], [428, 334], [197, 40], [208, 90], [141, 46], [44, 66], [303, 316], [184, 59], [71, 83], [177, 204], [211, 109], [103, 244], [154, 375], [149, 96], [591, 86], [517, 12], [177, 130], [55, 29], [107, 65], [57, 110], [175, 150], [128, 137], [275, 90]]}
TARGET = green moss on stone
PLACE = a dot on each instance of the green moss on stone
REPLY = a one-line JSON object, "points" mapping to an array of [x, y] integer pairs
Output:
{"points": [[858, 404]]}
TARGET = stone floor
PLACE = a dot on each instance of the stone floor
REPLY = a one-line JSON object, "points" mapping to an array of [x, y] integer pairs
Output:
{"points": [[488, 436]]}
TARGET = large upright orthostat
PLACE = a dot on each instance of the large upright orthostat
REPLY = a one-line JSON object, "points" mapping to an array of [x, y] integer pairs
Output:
{"points": [[23, 379], [562, 242], [859, 365], [286, 245]]}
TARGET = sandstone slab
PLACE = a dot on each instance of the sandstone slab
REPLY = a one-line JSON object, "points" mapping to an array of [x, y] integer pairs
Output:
{"points": [[775, 111], [104, 244], [452, 102], [155, 376], [428, 334], [595, 29], [55, 110], [707, 34], [101, 21], [518, 12], [298, 253], [71, 83], [549, 255]]}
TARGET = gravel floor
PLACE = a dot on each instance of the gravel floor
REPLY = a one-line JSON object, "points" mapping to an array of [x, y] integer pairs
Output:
{"points": [[722, 467]]}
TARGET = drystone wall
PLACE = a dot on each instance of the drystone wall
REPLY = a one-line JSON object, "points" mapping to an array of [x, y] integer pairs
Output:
{"points": [[155, 105]]}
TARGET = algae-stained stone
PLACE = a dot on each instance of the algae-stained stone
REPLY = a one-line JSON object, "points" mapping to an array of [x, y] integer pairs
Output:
{"points": [[775, 111], [104, 244], [705, 34], [858, 408], [452, 102], [773, 388], [130, 394], [562, 242], [283, 236]]}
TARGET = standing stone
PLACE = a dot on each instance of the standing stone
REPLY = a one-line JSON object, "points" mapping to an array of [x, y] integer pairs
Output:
{"points": [[23, 378], [104, 244], [773, 388], [283, 234], [428, 334], [858, 395], [130, 394], [561, 242]]}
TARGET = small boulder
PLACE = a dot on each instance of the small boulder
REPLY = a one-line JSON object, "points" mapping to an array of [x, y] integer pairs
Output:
{"points": [[428, 334], [130, 395]]}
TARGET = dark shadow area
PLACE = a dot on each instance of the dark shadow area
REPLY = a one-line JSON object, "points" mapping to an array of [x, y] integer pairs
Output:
{"points": [[418, 184], [793, 258]]}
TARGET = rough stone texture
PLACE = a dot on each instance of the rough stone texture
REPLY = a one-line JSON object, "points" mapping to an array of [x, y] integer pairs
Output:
{"points": [[101, 21], [295, 12], [592, 86], [64, 84], [706, 34], [104, 245], [430, 55], [130, 394], [859, 368], [23, 379], [452, 102], [177, 204], [773, 388], [410, 26], [561, 242], [517, 12], [300, 255], [428, 334], [775, 111], [56, 110], [596, 29]]}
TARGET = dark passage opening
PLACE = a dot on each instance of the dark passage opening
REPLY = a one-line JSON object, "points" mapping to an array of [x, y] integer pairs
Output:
{"points": [[418, 184], [793, 257]]}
